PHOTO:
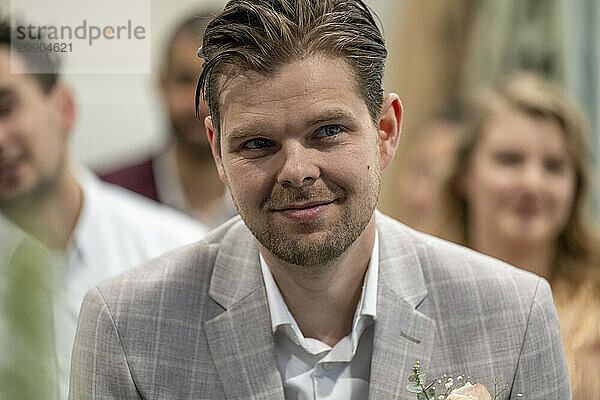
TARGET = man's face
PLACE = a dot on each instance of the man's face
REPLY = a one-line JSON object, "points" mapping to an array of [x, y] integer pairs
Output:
{"points": [[178, 85], [301, 157], [33, 134], [419, 183]]}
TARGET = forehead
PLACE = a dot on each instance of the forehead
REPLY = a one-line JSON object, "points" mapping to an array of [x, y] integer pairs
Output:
{"points": [[298, 91], [518, 129]]}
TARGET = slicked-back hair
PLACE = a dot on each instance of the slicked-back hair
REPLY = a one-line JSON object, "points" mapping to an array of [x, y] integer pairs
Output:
{"points": [[264, 35]]}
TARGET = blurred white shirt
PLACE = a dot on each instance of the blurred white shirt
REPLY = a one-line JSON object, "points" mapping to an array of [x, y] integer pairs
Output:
{"points": [[116, 230], [313, 370]]}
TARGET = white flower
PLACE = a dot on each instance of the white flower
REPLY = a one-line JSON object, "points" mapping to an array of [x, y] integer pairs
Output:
{"points": [[470, 392]]}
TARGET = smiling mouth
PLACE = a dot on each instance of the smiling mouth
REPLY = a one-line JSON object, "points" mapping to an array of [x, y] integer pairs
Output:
{"points": [[303, 206], [304, 212], [527, 209]]}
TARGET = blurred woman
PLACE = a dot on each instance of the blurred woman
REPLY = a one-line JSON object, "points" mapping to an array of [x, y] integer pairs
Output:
{"points": [[518, 191]]}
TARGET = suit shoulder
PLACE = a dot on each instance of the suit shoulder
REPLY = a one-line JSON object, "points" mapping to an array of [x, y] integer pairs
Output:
{"points": [[452, 264]]}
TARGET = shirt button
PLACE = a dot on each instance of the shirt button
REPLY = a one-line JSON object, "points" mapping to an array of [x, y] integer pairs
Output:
{"points": [[327, 366]]}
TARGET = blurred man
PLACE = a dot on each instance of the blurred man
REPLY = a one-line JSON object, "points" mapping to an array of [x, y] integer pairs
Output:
{"points": [[88, 230], [427, 163], [310, 293], [182, 175]]}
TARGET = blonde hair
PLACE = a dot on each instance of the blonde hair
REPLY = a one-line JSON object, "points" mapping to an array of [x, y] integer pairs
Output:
{"points": [[577, 252]]}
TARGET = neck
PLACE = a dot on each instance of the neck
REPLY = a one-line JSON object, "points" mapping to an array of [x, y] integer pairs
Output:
{"points": [[50, 218], [199, 178], [533, 257], [324, 303]]}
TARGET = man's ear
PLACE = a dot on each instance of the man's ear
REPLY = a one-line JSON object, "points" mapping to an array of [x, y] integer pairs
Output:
{"points": [[389, 128], [215, 147], [65, 106]]}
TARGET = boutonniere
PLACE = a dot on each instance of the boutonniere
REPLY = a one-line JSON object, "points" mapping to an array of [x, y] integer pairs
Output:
{"points": [[449, 388]]}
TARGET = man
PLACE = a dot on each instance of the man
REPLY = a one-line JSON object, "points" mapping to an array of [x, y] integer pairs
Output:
{"points": [[310, 294], [418, 183], [183, 175], [85, 229]]}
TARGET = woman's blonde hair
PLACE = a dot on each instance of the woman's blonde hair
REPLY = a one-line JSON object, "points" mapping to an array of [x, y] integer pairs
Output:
{"points": [[577, 252]]}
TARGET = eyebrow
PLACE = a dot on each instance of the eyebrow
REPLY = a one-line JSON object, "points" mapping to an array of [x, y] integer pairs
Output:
{"points": [[331, 116], [242, 133]]}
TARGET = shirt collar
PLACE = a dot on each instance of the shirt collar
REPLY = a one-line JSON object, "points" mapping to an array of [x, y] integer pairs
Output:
{"points": [[11, 235], [366, 308], [89, 184]]}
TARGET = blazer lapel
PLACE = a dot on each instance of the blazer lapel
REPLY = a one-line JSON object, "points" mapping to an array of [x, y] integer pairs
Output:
{"points": [[403, 334], [240, 338]]}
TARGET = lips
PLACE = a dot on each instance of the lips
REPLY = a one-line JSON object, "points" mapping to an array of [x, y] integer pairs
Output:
{"points": [[304, 205], [305, 211], [527, 208]]}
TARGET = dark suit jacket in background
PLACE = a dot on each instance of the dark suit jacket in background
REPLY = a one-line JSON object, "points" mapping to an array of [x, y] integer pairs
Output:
{"points": [[138, 178], [195, 324]]}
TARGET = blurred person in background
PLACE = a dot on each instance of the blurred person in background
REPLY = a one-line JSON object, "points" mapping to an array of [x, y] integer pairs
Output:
{"points": [[427, 163], [519, 192], [183, 175], [85, 229]]}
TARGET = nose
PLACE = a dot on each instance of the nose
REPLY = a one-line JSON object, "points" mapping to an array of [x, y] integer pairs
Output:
{"points": [[532, 177], [298, 166]]}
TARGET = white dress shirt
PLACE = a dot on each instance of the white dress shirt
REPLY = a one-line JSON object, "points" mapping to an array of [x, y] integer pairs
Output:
{"points": [[116, 230], [313, 370]]}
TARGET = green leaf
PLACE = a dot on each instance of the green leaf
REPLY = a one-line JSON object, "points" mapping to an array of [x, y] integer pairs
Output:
{"points": [[430, 393], [413, 378], [414, 388], [422, 378]]}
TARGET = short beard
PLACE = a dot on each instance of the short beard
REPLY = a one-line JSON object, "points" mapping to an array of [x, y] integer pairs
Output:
{"points": [[318, 255], [199, 150], [43, 189], [315, 256]]}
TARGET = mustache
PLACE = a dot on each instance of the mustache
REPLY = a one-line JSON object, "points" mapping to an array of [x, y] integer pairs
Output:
{"points": [[284, 197]]}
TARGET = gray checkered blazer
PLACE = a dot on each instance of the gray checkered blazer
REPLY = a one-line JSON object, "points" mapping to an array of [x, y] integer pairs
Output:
{"points": [[194, 323]]}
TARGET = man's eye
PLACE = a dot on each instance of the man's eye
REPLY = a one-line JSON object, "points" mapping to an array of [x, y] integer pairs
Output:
{"points": [[328, 131], [257, 144]]}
